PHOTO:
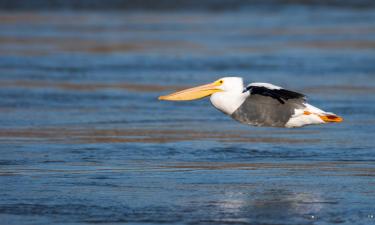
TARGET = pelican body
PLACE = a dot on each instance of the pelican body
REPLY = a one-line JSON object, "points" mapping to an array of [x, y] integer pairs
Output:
{"points": [[257, 104]]}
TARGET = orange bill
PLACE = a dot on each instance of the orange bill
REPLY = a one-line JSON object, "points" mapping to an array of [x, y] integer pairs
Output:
{"points": [[193, 93]]}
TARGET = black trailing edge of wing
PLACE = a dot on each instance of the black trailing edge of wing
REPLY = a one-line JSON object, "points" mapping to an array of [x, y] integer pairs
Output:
{"points": [[280, 95]]}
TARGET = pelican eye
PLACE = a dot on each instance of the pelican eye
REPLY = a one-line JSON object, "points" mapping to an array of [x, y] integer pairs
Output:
{"points": [[221, 81]]}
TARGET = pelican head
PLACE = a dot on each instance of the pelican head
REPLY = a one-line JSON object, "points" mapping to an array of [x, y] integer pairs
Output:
{"points": [[225, 84], [226, 94]]}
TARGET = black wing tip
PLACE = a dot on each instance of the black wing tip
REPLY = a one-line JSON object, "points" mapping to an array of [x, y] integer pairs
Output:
{"points": [[280, 94], [292, 94]]}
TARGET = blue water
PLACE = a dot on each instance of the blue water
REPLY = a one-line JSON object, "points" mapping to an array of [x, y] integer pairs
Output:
{"points": [[83, 138]]}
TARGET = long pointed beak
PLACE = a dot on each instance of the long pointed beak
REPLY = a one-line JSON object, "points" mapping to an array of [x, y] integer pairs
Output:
{"points": [[192, 93]]}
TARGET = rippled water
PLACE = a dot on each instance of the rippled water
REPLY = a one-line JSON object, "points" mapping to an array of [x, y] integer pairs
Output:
{"points": [[83, 138]]}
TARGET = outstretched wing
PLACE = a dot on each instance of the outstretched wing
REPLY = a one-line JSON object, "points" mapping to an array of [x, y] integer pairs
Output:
{"points": [[268, 105]]}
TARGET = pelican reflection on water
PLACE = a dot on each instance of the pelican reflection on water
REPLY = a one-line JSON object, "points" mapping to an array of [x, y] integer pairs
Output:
{"points": [[258, 104]]}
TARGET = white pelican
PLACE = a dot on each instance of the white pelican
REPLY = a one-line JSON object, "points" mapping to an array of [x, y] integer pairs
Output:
{"points": [[258, 104]]}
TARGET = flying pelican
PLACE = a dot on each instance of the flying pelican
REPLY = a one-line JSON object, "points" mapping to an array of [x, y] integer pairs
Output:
{"points": [[258, 104]]}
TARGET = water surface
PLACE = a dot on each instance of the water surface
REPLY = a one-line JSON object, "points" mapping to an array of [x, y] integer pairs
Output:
{"points": [[83, 138]]}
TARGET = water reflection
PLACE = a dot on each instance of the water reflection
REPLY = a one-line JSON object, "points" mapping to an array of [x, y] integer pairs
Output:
{"points": [[283, 204], [272, 206]]}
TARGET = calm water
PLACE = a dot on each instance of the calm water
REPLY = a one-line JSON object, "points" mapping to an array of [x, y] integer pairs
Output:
{"points": [[83, 138]]}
